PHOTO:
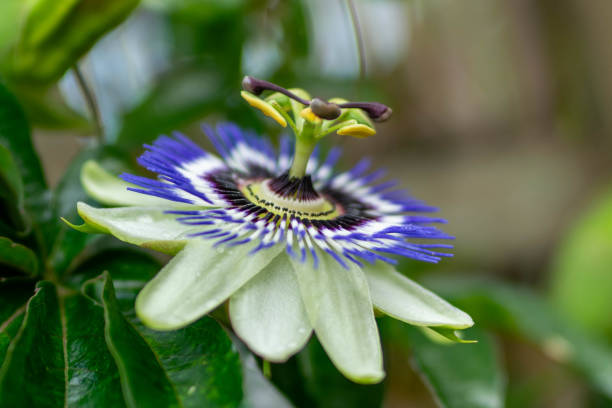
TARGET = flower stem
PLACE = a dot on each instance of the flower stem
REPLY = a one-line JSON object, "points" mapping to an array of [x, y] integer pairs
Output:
{"points": [[303, 150], [91, 102], [267, 371]]}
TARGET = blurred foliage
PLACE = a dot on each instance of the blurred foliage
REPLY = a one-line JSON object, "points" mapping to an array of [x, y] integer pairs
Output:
{"points": [[16, 257], [15, 138], [208, 55], [582, 271], [310, 379], [10, 12], [42, 39], [520, 311], [55, 34], [461, 376]]}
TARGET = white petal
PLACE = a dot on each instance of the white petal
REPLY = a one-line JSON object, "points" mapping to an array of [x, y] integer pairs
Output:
{"points": [[198, 280], [268, 314], [404, 299], [145, 226], [111, 190], [338, 304]]}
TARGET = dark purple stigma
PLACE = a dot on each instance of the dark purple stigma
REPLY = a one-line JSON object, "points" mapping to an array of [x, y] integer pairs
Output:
{"points": [[378, 112], [257, 86]]}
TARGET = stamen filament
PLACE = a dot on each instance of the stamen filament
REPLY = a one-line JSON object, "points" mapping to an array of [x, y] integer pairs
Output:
{"points": [[336, 127], [287, 117]]}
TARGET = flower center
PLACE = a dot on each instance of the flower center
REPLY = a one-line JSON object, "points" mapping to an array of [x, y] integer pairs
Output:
{"points": [[291, 199], [313, 118]]}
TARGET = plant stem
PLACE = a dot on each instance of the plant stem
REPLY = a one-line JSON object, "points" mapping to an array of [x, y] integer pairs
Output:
{"points": [[267, 371], [358, 38], [91, 102], [303, 150]]}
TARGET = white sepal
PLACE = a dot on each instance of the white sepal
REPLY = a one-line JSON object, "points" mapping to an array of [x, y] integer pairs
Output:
{"points": [[196, 281], [268, 314], [404, 299], [338, 304]]}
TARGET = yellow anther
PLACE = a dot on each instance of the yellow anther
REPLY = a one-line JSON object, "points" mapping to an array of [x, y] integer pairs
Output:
{"points": [[309, 115], [358, 130], [264, 107]]}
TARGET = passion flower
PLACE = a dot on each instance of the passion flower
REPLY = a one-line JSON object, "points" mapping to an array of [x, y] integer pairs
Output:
{"points": [[293, 245]]}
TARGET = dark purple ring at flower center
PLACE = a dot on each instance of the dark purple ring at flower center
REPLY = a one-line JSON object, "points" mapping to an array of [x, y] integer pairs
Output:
{"points": [[294, 187]]}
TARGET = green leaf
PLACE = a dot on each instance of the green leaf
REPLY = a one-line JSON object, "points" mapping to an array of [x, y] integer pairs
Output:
{"points": [[138, 366], [59, 355], [459, 375], [18, 257], [520, 311], [195, 366], [199, 360], [14, 295], [582, 268], [34, 363], [9, 330], [205, 339], [10, 11], [130, 270], [93, 379], [10, 179], [55, 34], [71, 348], [11, 192], [45, 107], [200, 363], [15, 137]]}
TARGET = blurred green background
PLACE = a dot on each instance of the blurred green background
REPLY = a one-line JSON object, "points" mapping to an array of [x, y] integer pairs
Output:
{"points": [[501, 118]]}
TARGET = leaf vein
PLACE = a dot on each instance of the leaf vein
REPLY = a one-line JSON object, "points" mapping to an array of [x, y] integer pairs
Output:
{"points": [[12, 317]]}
